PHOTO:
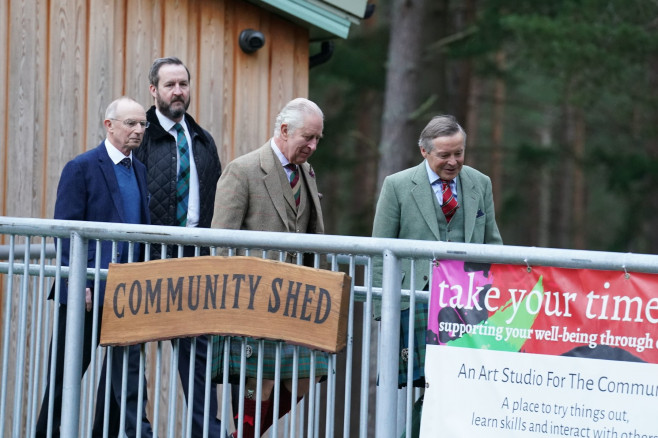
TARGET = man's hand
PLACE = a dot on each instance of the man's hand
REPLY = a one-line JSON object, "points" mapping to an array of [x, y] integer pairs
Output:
{"points": [[88, 299]]}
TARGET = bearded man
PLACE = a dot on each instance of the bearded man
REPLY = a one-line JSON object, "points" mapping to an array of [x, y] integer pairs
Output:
{"points": [[183, 168]]}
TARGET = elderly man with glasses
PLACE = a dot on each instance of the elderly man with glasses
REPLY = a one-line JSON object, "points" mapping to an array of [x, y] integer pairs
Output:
{"points": [[105, 184]]}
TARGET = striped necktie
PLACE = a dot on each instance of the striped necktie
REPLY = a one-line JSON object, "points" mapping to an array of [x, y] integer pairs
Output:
{"points": [[294, 182], [183, 183], [450, 204]]}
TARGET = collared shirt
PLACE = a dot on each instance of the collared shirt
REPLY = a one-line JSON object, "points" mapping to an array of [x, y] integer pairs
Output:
{"points": [[115, 154], [193, 204], [435, 183], [282, 158]]}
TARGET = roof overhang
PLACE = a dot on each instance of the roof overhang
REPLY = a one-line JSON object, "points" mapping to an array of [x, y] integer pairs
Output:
{"points": [[324, 19]]}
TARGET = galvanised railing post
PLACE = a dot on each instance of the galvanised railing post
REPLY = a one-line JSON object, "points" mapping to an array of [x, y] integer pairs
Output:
{"points": [[75, 315], [387, 391]]}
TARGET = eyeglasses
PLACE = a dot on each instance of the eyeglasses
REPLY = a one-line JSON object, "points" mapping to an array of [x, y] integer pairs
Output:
{"points": [[130, 123]]}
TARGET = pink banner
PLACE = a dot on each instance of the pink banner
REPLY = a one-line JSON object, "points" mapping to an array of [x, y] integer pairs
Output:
{"points": [[544, 310]]}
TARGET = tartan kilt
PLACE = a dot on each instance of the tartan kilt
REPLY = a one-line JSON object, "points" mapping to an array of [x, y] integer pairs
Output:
{"points": [[418, 360], [269, 360]]}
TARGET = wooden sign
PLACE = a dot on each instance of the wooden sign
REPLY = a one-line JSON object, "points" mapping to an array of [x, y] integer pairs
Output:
{"points": [[237, 296]]}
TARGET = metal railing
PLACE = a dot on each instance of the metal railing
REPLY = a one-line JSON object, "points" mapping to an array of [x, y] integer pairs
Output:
{"points": [[341, 406]]}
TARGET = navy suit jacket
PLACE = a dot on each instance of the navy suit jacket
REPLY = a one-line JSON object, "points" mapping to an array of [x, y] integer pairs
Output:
{"points": [[88, 191]]}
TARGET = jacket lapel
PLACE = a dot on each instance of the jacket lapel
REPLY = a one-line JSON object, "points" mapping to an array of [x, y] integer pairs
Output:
{"points": [[287, 194], [422, 194], [107, 170], [272, 180], [140, 174], [317, 223], [469, 196]]}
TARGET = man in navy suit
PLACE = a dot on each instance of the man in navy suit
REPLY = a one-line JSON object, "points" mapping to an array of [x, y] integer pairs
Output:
{"points": [[105, 184]]}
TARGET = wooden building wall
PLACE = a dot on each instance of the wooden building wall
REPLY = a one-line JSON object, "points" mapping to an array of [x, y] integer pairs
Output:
{"points": [[66, 60]]}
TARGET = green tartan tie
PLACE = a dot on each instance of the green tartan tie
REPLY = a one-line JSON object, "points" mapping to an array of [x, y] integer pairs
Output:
{"points": [[183, 183]]}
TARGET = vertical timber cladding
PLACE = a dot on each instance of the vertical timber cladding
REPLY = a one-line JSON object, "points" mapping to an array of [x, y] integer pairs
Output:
{"points": [[244, 296], [83, 54]]}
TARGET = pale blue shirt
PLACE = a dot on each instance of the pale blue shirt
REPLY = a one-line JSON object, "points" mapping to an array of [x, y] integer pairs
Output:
{"points": [[282, 158], [193, 202], [435, 183]]}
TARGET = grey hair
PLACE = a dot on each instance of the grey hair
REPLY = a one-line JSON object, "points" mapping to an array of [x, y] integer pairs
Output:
{"points": [[154, 72], [293, 114], [111, 111], [439, 126]]}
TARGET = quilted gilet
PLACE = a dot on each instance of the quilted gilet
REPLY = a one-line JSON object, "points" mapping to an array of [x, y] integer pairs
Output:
{"points": [[158, 153]]}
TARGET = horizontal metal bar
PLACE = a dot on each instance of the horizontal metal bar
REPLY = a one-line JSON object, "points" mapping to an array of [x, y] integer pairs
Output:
{"points": [[34, 269], [332, 244], [19, 251]]}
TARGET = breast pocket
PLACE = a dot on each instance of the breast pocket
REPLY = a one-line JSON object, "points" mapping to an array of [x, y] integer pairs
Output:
{"points": [[479, 228]]}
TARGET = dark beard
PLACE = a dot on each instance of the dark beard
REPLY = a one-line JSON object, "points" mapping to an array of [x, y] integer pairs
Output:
{"points": [[166, 110]]}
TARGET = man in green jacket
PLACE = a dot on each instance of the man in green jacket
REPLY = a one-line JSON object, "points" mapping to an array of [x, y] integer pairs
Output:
{"points": [[440, 199]]}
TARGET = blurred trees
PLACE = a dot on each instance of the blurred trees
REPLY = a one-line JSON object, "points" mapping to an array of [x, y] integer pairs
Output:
{"points": [[558, 99], [402, 101]]}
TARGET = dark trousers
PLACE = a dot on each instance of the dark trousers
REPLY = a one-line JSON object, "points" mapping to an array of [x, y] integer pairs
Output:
{"points": [[131, 417], [214, 425], [185, 345]]}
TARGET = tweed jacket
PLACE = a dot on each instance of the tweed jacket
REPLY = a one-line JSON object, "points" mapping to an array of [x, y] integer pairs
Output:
{"points": [[252, 197], [254, 194], [405, 211]]}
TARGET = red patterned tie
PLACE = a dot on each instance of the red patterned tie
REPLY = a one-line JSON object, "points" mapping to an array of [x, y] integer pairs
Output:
{"points": [[449, 205]]}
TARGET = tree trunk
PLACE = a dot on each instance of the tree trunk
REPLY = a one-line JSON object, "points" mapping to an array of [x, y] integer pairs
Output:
{"points": [[433, 84], [564, 187], [474, 155], [544, 186], [398, 145], [464, 68], [579, 186], [651, 146], [498, 117]]}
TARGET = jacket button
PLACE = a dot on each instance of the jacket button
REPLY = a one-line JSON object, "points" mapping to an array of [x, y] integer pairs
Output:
{"points": [[425, 277]]}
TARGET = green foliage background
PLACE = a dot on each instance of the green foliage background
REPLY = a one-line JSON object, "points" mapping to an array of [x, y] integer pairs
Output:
{"points": [[593, 59]]}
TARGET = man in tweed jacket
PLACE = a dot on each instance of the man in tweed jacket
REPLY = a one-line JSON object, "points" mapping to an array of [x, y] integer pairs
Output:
{"points": [[256, 193]]}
